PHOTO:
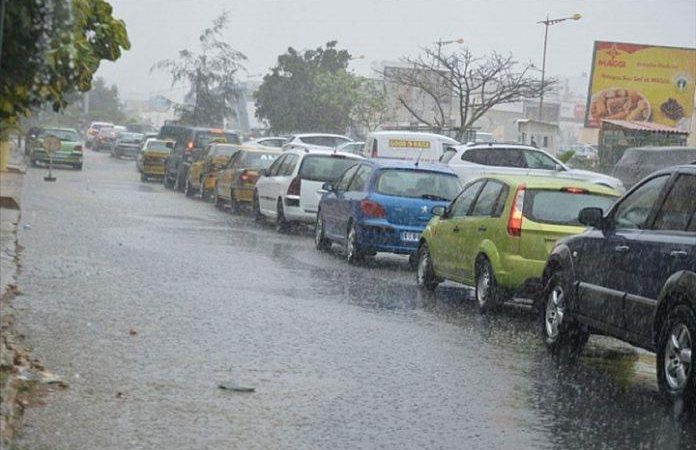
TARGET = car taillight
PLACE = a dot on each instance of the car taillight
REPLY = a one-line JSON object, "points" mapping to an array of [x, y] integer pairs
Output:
{"points": [[189, 145], [371, 209], [294, 188], [77, 148], [514, 226], [574, 190]]}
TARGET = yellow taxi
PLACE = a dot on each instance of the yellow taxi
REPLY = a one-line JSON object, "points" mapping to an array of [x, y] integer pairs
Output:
{"points": [[201, 175], [152, 158], [234, 185]]}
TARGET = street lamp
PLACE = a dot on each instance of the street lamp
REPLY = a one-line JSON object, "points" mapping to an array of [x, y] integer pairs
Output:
{"points": [[440, 43], [546, 24]]}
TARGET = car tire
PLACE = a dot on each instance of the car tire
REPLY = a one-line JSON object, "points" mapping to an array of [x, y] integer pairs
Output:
{"points": [[256, 208], [425, 275], [143, 177], [188, 189], [675, 355], [488, 294], [562, 335], [353, 253], [320, 241], [234, 205], [282, 224]]}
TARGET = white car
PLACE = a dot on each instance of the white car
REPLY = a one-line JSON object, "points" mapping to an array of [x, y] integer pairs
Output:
{"points": [[474, 161], [355, 148], [269, 141], [315, 141], [289, 191]]}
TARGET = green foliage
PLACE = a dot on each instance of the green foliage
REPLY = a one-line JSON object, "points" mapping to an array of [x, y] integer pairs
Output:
{"points": [[211, 75], [52, 48], [565, 156], [371, 108], [310, 91]]}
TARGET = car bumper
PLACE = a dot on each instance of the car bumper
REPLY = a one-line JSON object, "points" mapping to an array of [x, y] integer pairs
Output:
{"points": [[153, 170], [129, 152], [57, 159], [515, 271], [243, 194], [383, 236]]}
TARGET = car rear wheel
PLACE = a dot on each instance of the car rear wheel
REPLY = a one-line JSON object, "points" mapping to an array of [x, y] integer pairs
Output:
{"points": [[488, 295], [320, 241], [563, 336], [675, 355], [353, 253], [256, 208], [234, 205], [282, 223], [425, 275]]}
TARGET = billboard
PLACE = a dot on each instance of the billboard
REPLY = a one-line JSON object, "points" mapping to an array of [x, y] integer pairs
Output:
{"points": [[641, 82]]}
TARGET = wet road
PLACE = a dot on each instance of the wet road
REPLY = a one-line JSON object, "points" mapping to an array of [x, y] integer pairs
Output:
{"points": [[340, 356]]}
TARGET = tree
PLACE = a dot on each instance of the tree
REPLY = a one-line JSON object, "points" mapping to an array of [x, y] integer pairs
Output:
{"points": [[306, 91], [52, 48], [211, 75], [463, 84], [371, 107]]}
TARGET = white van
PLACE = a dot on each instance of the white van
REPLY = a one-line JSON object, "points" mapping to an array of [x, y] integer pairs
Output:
{"points": [[411, 145]]}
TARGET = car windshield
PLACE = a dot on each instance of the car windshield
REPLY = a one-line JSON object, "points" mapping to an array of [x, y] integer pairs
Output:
{"points": [[63, 135], [418, 184], [224, 150], [561, 207], [257, 160], [160, 146], [324, 167], [130, 137]]}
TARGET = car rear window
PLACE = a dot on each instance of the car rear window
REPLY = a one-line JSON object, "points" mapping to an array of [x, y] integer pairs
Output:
{"points": [[324, 167], [257, 160], [418, 184], [324, 141], [204, 138], [63, 135], [159, 146], [560, 207], [225, 150]]}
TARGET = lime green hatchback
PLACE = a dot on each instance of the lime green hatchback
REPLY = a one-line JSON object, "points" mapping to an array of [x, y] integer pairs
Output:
{"points": [[497, 234]]}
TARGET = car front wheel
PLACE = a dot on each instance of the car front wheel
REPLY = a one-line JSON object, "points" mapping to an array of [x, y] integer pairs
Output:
{"points": [[561, 333], [320, 240], [425, 275], [256, 208], [353, 253], [675, 358]]}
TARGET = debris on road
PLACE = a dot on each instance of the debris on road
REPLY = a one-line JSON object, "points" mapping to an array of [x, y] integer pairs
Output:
{"points": [[230, 386], [133, 332], [40, 376]]}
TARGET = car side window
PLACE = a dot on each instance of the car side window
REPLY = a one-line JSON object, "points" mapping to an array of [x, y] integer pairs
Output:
{"points": [[633, 211], [345, 180], [538, 160], [361, 178], [273, 170], [475, 156], [679, 205], [462, 204], [231, 161], [288, 165], [487, 201]]}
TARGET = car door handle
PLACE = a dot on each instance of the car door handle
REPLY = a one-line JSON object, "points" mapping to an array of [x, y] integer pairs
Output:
{"points": [[678, 253], [482, 229], [622, 248], [455, 230]]}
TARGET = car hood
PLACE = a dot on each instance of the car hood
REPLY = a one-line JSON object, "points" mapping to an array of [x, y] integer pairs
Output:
{"points": [[597, 178]]}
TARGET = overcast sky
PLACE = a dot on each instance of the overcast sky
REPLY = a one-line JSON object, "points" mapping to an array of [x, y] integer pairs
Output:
{"points": [[388, 29]]}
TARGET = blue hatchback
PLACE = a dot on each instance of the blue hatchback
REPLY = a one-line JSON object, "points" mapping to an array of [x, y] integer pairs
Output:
{"points": [[382, 205]]}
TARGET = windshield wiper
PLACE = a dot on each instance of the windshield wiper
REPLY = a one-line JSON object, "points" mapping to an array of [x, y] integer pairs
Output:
{"points": [[434, 197]]}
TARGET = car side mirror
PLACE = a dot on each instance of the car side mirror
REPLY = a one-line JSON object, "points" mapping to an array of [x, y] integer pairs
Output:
{"points": [[592, 217], [439, 211], [328, 187]]}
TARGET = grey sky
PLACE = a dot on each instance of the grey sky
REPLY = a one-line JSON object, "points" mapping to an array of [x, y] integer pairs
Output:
{"points": [[388, 29]]}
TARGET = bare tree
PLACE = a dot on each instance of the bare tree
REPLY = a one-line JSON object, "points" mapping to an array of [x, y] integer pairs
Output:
{"points": [[462, 84]]}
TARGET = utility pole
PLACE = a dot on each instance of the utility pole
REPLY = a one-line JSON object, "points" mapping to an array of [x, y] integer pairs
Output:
{"points": [[2, 27]]}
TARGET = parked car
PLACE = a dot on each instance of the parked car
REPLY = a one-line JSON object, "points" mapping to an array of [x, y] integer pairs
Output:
{"points": [[70, 152], [315, 141], [632, 275], [409, 145], [289, 191], [201, 174], [152, 156], [234, 184], [584, 152], [127, 145], [92, 131], [382, 205], [355, 148], [474, 161], [270, 141], [637, 163], [498, 232], [189, 141]]}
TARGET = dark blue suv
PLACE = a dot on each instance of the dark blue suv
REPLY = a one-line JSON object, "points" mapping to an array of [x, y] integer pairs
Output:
{"points": [[632, 275]]}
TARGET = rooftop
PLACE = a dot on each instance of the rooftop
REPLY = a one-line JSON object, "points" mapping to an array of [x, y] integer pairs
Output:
{"points": [[644, 126]]}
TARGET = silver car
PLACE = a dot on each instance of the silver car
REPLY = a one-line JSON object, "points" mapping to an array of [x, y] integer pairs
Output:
{"points": [[474, 161]]}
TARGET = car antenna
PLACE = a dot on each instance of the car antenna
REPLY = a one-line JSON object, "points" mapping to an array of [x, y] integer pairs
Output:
{"points": [[419, 156]]}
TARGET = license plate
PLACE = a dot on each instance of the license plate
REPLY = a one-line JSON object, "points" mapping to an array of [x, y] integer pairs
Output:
{"points": [[409, 236]]}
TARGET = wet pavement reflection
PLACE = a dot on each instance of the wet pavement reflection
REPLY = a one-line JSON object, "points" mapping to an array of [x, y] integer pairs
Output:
{"points": [[339, 356]]}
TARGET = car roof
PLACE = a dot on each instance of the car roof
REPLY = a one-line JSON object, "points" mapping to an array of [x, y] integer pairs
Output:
{"points": [[680, 168], [303, 152], [301, 135], [265, 150], [550, 182], [498, 145], [389, 163], [61, 129], [423, 134]]}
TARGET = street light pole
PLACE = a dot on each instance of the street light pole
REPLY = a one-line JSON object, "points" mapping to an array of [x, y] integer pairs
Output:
{"points": [[546, 24]]}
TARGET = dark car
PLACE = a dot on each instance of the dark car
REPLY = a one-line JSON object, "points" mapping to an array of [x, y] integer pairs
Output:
{"points": [[637, 163], [632, 275], [127, 145], [189, 142]]}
